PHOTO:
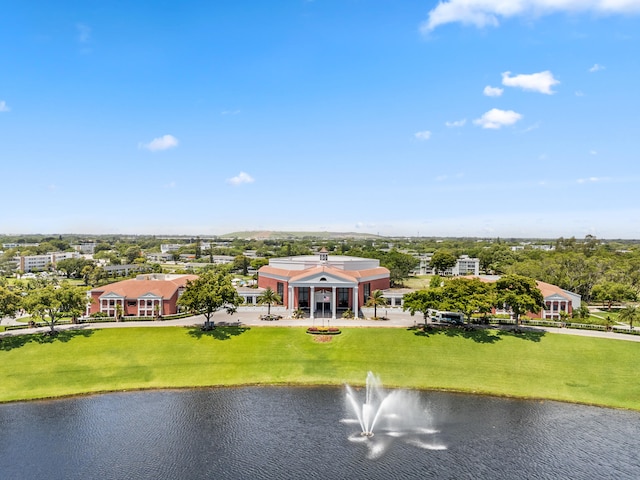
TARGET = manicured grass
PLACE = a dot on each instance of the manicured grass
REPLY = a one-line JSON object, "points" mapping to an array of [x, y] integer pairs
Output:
{"points": [[532, 365]]}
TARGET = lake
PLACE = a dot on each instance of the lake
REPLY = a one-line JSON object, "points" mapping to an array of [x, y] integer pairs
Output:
{"points": [[296, 432]]}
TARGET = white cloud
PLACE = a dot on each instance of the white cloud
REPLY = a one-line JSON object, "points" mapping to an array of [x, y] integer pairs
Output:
{"points": [[593, 152], [496, 118], [84, 32], [579, 93], [490, 91], [161, 143], [530, 128], [230, 112], [425, 135], [456, 123], [483, 13], [535, 82], [596, 68], [441, 178], [360, 225], [241, 178], [4, 107], [592, 179]]}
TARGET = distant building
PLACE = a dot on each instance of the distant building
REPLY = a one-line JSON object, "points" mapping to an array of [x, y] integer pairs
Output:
{"points": [[86, 248], [465, 265], [147, 295], [19, 245], [38, 263], [324, 284], [170, 247]]}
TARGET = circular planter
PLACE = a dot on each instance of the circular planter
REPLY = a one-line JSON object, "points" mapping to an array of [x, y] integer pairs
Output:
{"points": [[323, 331]]}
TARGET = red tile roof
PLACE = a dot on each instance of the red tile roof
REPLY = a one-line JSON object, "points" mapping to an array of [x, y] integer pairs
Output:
{"points": [[135, 288]]}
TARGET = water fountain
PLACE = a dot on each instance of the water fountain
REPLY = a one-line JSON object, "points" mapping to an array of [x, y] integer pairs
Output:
{"points": [[389, 415]]}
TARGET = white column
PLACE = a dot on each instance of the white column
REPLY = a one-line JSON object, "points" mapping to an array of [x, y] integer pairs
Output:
{"points": [[290, 302], [333, 303], [355, 301], [312, 301]]}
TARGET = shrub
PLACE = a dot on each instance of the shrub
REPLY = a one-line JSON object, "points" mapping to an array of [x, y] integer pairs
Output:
{"points": [[348, 314]]}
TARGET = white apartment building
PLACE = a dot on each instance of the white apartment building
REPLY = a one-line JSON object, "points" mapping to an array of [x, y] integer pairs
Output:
{"points": [[86, 248], [465, 265], [37, 263]]}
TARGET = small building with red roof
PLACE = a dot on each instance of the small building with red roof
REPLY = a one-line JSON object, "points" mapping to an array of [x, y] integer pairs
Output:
{"points": [[557, 301], [148, 295], [324, 285]]}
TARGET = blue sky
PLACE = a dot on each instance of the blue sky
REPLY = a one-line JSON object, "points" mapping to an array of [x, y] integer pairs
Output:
{"points": [[453, 118]]}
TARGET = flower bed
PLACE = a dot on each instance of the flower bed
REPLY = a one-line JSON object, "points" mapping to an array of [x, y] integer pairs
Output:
{"points": [[323, 330]]}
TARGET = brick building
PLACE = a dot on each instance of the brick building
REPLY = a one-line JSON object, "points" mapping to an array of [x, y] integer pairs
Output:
{"points": [[324, 285]]}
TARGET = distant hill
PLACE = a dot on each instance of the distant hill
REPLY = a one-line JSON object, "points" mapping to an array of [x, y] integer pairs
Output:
{"points": [[279, 235]]}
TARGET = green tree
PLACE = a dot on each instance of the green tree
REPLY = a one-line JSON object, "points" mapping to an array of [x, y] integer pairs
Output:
{"points": [[241, 264], [610, 292], [10, 302], [73, 301], [441, 260], [399, 264], [423, 301], [629, 314], [520, 294], [209, 293], [45, 304], [375, 300], [467, 295], [86, 272], [131, 253], [269, 297], [72, 267], [435, 281]]}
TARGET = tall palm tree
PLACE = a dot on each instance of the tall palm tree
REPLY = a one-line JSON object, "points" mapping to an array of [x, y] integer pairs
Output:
{"points": [[629, 314], [376, 299], [269, 297]]}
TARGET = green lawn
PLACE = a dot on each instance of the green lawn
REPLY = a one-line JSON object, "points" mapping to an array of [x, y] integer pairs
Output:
{"points": [[561, 367]]}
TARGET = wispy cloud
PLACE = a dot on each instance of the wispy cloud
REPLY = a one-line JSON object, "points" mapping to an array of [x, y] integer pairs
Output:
{"points": [[84, 32], [490, 91], [596, 68], [360, 225], [424, 135], [593, 152], [486, 13], [535, 82], [456, 123], [496, 118], [161, 143], [240, 179], [579, 93], [230, 112], [530, 128], [4, 107], [592, 180]]}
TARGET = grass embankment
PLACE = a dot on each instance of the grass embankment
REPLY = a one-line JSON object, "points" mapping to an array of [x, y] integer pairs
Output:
{"points": [[533, 365]]}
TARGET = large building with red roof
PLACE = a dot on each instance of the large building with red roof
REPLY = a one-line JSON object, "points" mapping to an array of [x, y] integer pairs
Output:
{"points": [[324, 285], [149, 295]]}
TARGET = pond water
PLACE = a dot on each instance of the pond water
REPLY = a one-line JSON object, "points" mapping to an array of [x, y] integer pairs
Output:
{"points": [[280, 433]]}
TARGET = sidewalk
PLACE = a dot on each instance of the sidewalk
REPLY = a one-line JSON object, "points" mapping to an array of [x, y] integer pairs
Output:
{"points": [[395, 319]]}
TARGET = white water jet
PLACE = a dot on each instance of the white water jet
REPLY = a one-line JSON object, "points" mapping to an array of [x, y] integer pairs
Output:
{"points": [[389, 415]]}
